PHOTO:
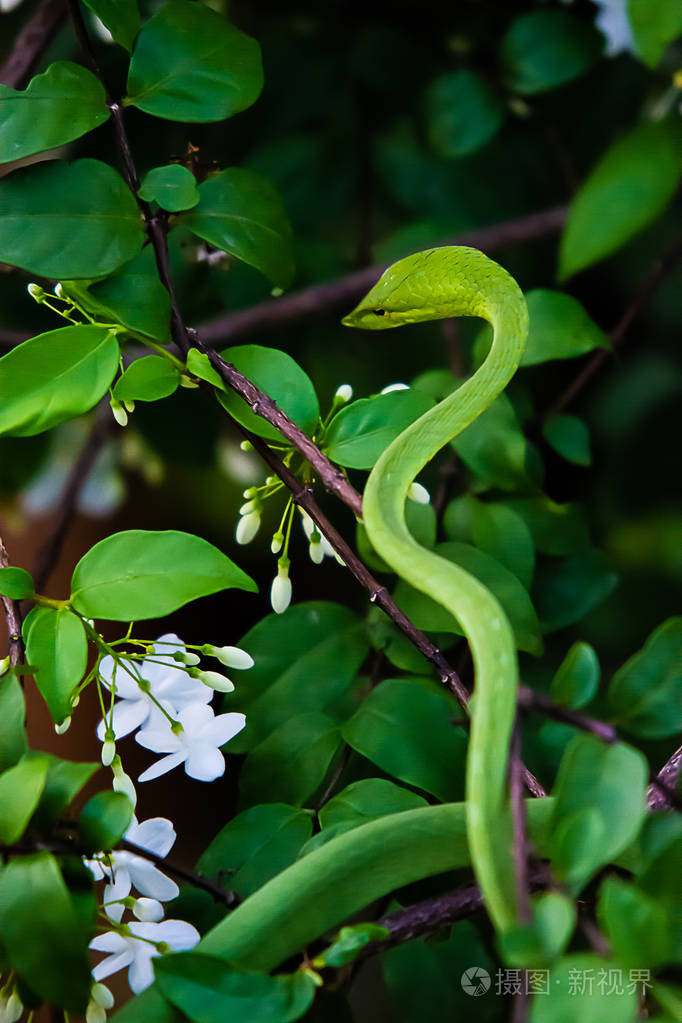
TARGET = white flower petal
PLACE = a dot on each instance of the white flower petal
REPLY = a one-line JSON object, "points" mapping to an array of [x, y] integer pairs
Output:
{"points": [[141, 972], [204, 763], [127, 716], [151, 881], [223, 728], [109, 942], [162, 766], [159, 740], [156, 834], [195, 717], [178, 934], [112, 964], [148, 910]]}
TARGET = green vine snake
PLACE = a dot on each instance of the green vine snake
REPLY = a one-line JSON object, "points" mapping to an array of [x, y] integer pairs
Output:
{"points": [[326, 886]]}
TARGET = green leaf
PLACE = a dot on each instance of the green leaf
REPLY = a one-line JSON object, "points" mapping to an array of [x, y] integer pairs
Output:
{"points": [[68, 220], [348, 943], [334, 653], [600, 804], [189, 64], [576, 996], [366, 800], [198, 363], [638, 928], [134, 297], [559, 328], [577, 678], [104, 820], [645, 695], [242, 212], [462, 113], [538, 943], [545, 49], [255, 846], [360, 432], [569, 437], [405, 727], [654, 23], [143, 573], [20, 790], [504, 535], [494, 447], [56, 645], [13, 742], [45, 941], [629, 187], [54, 377], [121, 17], [16, 583], [292, 762], [281, 379], [173, 187], [565, 591], [64, 781], [555, 528], [425, 613], [209, 990], [147, 379], [60, 105]]}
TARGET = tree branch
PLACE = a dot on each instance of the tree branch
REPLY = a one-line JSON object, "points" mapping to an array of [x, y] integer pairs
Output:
{"points": [[31, 43], [342, 292], [13, 616], [662, 793], [518, 809], [528, 699], [227, 898]]}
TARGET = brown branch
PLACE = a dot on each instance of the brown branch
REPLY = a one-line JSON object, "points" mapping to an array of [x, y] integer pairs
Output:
{"points": [[662, 794], [342, 292], [520, 841], [657, 274], [13, 617], [528, 699], [31, 43], [49, 552]]}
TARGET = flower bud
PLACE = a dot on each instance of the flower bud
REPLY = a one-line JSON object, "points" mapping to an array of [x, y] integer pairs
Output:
{"points": [[246, 445], [315, 549], [4, 665], [213, 679], [280, 593], [394, 387], [344, 393], [230, 656], [95, 1013], [418, 494], [185, 657], [101, 995], [63, 726], [108, 752], [118, 412], [35, 291], [277, 541], [129, 405], [148, 910], [250, 506], [247, 527], [12, 1009], [122, 782], [58, 290]]}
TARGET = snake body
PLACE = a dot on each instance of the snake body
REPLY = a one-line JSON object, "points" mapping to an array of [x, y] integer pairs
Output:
{"points": [[430, 285]]}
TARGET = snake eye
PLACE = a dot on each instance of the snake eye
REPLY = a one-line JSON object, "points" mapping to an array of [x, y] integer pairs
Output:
{"points": [[379, 312]]}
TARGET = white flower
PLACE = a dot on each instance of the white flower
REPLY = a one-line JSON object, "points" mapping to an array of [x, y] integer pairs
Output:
{"points": [[280, 591], [612, 21], [101, 999], [197, 745], [418, 494], [125, 870], [247, 527], [230, 656], [136, 951], [148, 909], [310, 529], [122, 781], [168, 682]]}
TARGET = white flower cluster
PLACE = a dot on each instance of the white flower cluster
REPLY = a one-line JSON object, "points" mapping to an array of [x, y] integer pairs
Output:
{"points": [[135, 943], [166, 696]]}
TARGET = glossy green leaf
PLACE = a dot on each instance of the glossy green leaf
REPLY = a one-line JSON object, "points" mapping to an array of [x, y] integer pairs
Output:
{"points": [[68, 220], [56, 645], [13, 742], [348, 943], [60, 105], [569, 437], [120, 17], [545, 49], [629, 187], [173, 187], [577, 678], [16, 583], [147, 379], [541, 941], [189, 64], [576, 996], [241, 212], [292, 762], [462, 113], [645, 695], [45, 940], [494, 447], [142, 573], [199, 364], [366, 800], [360, 432], [20, 790], [638, 928], [209, 990], [421, 523], [504, 535], [405, 727], [134, 297], [104, 820], [278, 376], [559, 328], [555, 528], [654, 23], [600, 804], [425, 613], [54, 377], [63, 782], [566, 590], [255, 846]]}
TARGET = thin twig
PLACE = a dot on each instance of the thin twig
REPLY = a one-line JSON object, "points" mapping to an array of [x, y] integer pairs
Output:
{"points": [[343, 291], [528, 699], [518, 809], [655, 277], [49, 552], [13, 616], [227, 898], [662, 793], [31, 43]]}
